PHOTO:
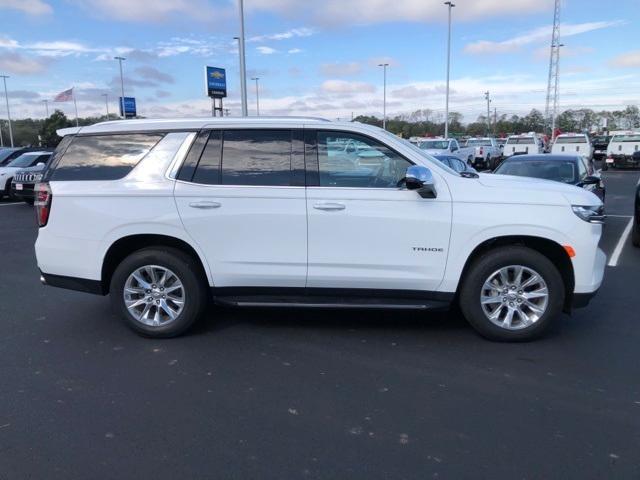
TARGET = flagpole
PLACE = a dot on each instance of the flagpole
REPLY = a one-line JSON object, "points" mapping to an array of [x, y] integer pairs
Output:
{"points": [[73, 95]]}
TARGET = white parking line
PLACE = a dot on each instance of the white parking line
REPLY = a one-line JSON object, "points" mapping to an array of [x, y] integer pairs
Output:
{"points": [[7, 204], [615, 256]]}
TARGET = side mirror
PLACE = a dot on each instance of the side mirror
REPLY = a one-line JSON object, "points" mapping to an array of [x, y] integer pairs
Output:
{"points": [[590, 180], [420, 178], [39, 164]]}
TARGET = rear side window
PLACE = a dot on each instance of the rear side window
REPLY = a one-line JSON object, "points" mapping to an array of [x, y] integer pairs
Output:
{"points": [[104, 157], [246, 157]]}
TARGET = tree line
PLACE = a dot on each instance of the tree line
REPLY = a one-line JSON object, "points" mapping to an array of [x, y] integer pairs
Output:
{"points": [[420, 123], [423, 123]]}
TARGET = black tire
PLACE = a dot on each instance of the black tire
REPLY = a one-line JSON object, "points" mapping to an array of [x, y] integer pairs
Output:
{"points": [[635, 234], [481, 270], [185, 267]]}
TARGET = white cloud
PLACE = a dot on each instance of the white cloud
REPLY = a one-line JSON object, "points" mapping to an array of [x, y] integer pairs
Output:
{"points": [[12, 62], [293, 33], [294, 50], [534, 36], [333, 12], [266, 50], [340, 69], [30, 7], [627, 60], [342, 87], [154, 11]]}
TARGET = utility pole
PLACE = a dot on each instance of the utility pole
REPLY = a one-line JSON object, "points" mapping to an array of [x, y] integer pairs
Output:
{"points": [[106, 103], [488, 99], [495, 121], [46, 106], [6, 98], [257, 95], [243, 66], [551, 104], [384, 95], [120, 59], [446, 107]]}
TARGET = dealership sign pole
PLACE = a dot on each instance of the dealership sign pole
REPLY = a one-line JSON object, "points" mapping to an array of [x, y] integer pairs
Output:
{"points": [[6, 98], [243, 66]]}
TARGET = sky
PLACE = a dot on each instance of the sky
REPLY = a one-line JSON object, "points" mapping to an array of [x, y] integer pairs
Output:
{"points": [[317, 58]]}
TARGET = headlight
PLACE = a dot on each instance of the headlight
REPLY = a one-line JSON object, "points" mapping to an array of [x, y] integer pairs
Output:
{"points": [[590, 213]]}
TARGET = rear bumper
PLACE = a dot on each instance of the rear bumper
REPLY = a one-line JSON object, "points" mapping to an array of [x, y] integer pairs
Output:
{"points": [[72, 283], [624, 161]]}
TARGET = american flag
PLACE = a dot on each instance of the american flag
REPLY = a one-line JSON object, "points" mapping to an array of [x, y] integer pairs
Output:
{"points": [[64, 96]]}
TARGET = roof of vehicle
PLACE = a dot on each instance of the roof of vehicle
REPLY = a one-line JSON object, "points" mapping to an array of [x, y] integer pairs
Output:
{"points": [[572, 135], [36, 152], [545, 157], [181, 123]]}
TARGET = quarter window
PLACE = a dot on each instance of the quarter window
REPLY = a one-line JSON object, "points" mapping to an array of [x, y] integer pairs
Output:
{"points": [[104, 157], [351, 160]]}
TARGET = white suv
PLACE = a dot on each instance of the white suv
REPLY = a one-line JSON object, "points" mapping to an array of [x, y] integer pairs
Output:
{"points": [[166, 214]]}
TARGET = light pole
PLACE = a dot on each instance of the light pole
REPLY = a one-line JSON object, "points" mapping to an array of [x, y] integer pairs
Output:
{"points": [[6, 98], [120, 59], [106, 103], [46, 106], [384, 94], [450, 5], [243, 66], [488, 99], [257, 95]]}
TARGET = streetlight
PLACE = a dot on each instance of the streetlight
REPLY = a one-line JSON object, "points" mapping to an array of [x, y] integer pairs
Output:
{"points": [[243, 67], [120, 59], [46, 106], [384, 95], [257, 95], [450, 5], [6, 98], [106, 103]]}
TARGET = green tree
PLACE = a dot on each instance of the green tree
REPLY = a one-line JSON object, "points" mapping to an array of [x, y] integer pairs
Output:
{"points": [[55, 122]]}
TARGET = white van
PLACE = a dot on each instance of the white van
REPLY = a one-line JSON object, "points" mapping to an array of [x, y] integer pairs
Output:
{"points": [[572, 144], [524, 143], [166, 215], [623, 150]]}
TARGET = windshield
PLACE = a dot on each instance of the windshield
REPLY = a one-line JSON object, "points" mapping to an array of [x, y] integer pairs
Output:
{"points": [[601, 140], [435, 145], [576, 139], [24, 160], [558, 170], [5, 153], [626, 138], [481, 142], [520, 141]]}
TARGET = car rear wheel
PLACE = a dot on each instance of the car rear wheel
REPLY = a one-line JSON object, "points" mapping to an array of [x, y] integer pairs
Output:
{"points": [[635, 234], [159, 291], [512, 294]]}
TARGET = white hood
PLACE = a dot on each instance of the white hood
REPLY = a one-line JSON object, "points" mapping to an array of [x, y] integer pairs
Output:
{"points": [[574, 195]]}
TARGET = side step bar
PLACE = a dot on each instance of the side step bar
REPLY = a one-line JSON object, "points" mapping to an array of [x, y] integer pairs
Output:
{"points": [[331, 303]]}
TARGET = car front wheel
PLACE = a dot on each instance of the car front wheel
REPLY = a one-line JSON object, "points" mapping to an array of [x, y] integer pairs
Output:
{"points": [[512, 294], [159, 291]]}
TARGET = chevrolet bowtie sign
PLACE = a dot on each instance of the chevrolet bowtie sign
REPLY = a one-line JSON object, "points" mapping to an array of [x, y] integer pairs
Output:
{"points": [[215, 82]]}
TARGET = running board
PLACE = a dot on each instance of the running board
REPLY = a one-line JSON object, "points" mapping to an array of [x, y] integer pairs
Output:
{"points": [[342, 303]]}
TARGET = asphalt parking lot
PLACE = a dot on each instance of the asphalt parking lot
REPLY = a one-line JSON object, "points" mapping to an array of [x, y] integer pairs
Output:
{"points": [[315, 394]]}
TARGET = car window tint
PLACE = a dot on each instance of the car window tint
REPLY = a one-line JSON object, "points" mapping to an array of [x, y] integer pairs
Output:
{"points": [[208, 169], [351, 160], [256, 157], [104, 157]]}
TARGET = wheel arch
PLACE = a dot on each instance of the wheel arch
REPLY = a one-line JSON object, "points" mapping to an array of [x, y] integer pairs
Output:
{"points": [[125, 246], [549, 248]]}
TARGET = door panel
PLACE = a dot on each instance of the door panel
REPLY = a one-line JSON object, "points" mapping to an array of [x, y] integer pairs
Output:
{"points": [[243, 209]]}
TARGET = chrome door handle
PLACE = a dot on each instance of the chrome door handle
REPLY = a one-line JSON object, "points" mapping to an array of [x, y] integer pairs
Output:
{"points": [[205, 205], [329, 206]]}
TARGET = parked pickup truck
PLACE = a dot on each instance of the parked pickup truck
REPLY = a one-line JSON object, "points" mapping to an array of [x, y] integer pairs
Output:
{"points": [[487, 152], [450, 146], [623, 150]]}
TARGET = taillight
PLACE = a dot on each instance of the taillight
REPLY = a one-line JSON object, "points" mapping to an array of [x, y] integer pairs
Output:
{"points": [[42, 202]]}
